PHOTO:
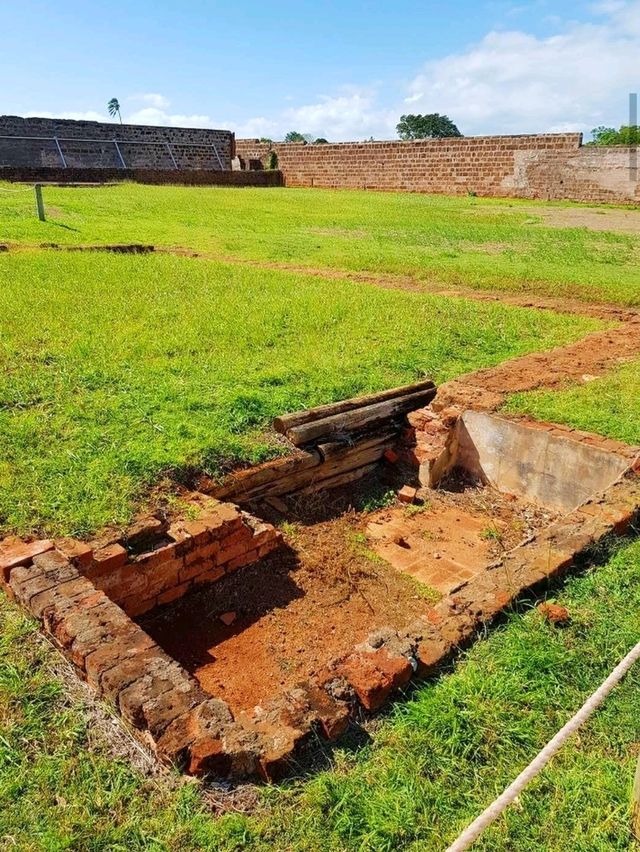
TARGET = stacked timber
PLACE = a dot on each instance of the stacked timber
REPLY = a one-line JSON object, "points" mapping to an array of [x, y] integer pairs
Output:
{"points": [[337, 444], [340, 420]]}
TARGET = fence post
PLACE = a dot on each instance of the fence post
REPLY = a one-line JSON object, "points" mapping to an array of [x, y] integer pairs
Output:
{"points": [[39, 202]]}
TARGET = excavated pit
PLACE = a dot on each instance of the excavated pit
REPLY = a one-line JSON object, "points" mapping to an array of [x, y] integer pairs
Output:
{"points": [[345, 572], [296, 593]]}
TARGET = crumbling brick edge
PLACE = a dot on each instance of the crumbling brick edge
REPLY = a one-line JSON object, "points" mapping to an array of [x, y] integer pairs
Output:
{"points": [[186, 727]]}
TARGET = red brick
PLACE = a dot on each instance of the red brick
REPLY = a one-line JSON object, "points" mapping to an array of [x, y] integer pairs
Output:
{"points": [[407, 494], [211, 575], [175, 593], [197, 531], [128, 670], [208, 551], [109, 558], [79, 553], [158, 557], [135, 605], [28, 581], [195, 738], [269, 547], [241, 561], [128, 641], [39, 602], [227, 554], [14, 552], [375, 675], [136, 700]]}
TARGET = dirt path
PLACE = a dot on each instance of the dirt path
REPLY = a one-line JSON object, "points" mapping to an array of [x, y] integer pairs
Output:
{"points": [[593, 356], [387, 281]]}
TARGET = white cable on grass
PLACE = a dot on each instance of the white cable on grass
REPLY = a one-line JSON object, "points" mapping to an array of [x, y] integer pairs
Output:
{"points": [[28, 189], [473, 832]]}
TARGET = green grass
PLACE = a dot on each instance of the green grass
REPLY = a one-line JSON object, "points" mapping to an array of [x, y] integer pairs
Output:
{"points": [[609, 405], [435, 761], [482, 243], [118, 369]]}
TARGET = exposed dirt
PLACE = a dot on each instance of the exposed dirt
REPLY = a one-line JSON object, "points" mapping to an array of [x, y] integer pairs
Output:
{"points": [[295, 611], [593, 218], [579, 362], [328, 589], [460, 530]]}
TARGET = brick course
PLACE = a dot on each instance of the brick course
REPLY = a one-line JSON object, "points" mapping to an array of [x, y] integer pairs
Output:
{"points": [[183, 725]]}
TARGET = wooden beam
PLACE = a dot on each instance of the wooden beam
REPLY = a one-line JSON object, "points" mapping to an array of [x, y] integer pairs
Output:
{"points": [[286, 422], [271, 477], [358, 419]]}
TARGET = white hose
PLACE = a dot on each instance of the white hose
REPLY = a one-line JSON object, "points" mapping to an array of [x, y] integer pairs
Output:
{"points": [[471, 834]]}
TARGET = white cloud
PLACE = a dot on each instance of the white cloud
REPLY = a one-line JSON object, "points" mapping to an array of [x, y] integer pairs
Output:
{"points": [[352, 114], [153, 99], [513, 82], [155, 115], [509, 82]]}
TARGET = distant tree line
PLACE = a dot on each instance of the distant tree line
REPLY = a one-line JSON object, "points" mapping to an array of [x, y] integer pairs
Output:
{"points": [[629, 134], [429, 126]]}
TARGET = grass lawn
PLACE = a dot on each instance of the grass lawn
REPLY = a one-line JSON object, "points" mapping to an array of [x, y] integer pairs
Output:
{"points": [[116, 369], [432, 765], [608, 406], [473, 242]]}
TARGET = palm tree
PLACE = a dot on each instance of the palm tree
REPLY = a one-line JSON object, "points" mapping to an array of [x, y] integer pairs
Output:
{"points": [[114, 108]]}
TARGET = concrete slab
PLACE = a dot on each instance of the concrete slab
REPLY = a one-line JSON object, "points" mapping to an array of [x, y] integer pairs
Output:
{"points": [[538, 465]]}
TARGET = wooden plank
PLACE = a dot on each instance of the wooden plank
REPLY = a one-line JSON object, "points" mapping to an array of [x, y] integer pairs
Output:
{"points": [[340, 479], [367, 417], [285, 422], [336, 450], [254, 480]]}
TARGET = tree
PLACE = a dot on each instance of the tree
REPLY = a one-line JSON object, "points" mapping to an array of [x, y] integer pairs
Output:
{"points": [[432, 126], [320, 141], [627, 135], [294, 136], [114, 108]]}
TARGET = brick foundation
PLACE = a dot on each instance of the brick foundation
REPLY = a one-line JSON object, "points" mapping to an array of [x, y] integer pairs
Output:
{"points": [[83, 594]]}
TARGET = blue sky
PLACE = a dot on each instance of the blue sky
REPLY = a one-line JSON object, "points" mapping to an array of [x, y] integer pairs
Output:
{"points": [[344, 70]]}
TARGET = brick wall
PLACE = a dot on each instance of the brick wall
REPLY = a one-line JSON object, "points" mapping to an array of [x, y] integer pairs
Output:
{"points": [[547, 166], [192, 148]]}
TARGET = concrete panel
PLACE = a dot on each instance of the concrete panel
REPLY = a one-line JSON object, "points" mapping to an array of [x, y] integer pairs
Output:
{"points": [[532, 463]]}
